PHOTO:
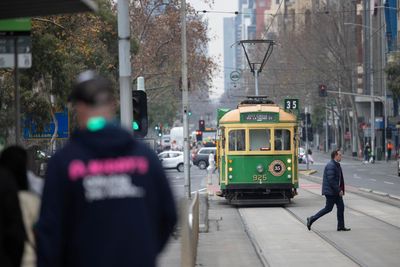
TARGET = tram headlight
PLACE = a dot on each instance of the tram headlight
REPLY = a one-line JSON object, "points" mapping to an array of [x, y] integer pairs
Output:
{"points": [[260, 168], [289, 168], [230, 177], [230, 169], [230, 161], [289, 176], [289, 160]]}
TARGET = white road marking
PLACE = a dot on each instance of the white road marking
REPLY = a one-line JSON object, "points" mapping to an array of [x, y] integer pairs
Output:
{"points": [[355, 176], [200, 190], [372, 180], [387, 182]]}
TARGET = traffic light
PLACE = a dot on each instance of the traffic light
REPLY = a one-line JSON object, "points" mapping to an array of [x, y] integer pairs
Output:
{"points": [[140, 122], [158, 129], [308, 116], [199, 136], [323, 90], [189, 113], [202, 125], [309, 134]]}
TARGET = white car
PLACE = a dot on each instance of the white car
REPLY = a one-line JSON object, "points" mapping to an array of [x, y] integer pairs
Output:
{"points": [[172, 160]]}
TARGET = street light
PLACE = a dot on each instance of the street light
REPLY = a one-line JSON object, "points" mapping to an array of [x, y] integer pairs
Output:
{"points": [[257, 54]]}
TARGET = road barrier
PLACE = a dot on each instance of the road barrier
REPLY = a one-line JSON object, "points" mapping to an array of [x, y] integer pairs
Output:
{"points": [[189, 231]]}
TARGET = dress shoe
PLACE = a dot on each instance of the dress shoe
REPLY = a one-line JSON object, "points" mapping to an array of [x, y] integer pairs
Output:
{"points": [[309, 223], [344, 229]]}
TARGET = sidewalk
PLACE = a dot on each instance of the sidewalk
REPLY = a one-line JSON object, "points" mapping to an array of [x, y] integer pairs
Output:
{"points": [[348, 155]]}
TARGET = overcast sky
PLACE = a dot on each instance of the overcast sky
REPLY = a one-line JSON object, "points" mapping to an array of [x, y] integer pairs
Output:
{"points": [[216, 34]]}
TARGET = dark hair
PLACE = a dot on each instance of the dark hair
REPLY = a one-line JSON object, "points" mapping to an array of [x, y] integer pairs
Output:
{"points": [[92, 89], [15, 159], [334, 153]]}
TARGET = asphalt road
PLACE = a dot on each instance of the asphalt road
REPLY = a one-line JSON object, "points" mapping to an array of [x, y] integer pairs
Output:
{"points": [[177, 181], [380, 176]]}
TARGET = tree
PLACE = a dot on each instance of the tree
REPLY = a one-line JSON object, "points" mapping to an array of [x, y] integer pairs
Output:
{"points": [[393, 75], [62, 46], [156, 29]]}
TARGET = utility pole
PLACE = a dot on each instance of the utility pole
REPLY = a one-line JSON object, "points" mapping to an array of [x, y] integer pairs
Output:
{"points": [[185, 104], [124, 49], [383, 74], [17, 94], [368, 83]]}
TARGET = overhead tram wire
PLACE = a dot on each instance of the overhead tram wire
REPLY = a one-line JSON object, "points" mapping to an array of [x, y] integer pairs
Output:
{"points": [[322, 12], [273, 18]]}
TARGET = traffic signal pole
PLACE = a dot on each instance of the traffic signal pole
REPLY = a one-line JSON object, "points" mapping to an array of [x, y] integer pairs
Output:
{"points": [[124, 58], [185, 102], [306, 111]]}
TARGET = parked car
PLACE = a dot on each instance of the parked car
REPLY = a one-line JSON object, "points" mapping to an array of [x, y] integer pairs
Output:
{"points": [[201, 158], [172, 160]]}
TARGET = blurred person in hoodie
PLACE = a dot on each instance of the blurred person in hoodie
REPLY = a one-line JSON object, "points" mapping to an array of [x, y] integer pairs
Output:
{"points": [[106, 199]]}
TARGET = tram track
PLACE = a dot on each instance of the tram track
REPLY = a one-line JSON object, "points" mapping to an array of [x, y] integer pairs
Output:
{"points": [[361, 212], [326, 239], [253, 240], [260, 253]]}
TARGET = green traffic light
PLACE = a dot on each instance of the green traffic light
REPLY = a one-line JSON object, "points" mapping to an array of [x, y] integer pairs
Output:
{"points": [[135, 126], [190, 113]]}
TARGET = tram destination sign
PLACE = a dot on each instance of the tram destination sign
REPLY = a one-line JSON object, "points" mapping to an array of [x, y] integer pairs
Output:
{"points": [[259, 117]]}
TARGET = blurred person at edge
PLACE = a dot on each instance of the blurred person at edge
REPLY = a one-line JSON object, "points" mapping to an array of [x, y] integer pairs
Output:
{"points": [[106, 199], [15, 159], [12, 232]]}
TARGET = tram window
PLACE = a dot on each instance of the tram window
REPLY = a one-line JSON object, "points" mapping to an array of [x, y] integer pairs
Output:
{"points": [[282, 139], [260, 139], [237, 140]]}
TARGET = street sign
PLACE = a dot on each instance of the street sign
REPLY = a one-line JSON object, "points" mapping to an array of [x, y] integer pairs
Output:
{"points": [[7, 52], [15, 27], [7, 61], [235, 76], [31, 131], [291, 104], [11, 31]]}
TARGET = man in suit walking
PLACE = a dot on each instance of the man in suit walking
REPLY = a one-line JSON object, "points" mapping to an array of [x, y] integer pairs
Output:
{"points": [[333, 189]]}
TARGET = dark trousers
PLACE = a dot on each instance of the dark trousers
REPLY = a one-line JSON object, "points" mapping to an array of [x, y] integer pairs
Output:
{"points": [[330, 201]]}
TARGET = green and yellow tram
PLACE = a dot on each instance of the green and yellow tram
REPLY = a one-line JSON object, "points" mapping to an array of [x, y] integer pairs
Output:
{"points": [[257, 153]]}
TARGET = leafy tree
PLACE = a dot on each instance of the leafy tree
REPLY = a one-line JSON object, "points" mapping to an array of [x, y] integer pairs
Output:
{"points": [[156, 29], [62, 46], [393, 74]]}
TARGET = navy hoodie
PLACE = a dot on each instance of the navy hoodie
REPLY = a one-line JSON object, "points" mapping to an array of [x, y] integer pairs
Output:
{"points": [[106, 202]]}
